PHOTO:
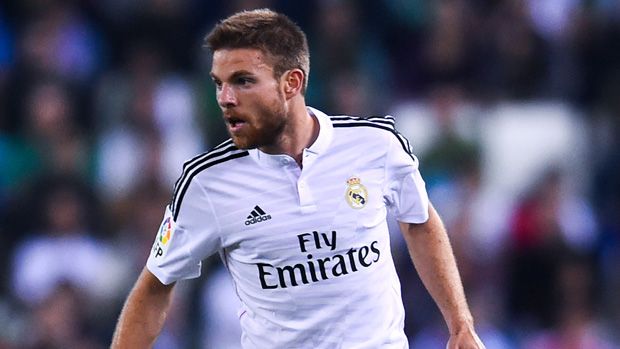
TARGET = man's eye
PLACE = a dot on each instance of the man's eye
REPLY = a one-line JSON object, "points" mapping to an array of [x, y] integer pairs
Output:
{"points": [[244, 81]]}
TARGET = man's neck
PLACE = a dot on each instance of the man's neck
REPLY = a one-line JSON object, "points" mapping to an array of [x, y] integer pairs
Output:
{"points": [[301, 131]]}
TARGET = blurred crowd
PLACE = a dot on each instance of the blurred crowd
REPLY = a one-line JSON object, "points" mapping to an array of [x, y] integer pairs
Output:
{"points": [[102, 101]]}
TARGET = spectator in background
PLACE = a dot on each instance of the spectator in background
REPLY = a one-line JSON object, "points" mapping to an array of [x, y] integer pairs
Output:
{"points": [[58, 40], [606, 194], [52, 130], [62, 320], [49, 142], [348, 59], [403, 33], [7, 60], [64, 249], [133, 219], [453, 152], [522, 67], [546, 225], [349, 93], [575, 325], [556, 22], [448, 46], [148, 125], [6, 46]]}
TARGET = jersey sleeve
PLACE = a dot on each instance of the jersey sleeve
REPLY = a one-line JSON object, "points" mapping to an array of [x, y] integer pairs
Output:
{"points": [[405, 190], [188, 234]]}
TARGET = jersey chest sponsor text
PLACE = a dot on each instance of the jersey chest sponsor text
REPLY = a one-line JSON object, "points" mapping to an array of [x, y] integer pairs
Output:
{"points": [[317, 269]]}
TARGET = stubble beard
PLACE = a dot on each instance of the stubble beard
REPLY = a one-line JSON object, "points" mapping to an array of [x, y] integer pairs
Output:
{"points": [[265, 129]]}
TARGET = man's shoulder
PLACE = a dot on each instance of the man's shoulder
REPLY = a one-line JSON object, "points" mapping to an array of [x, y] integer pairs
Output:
{"points": [[370, 129], [209, 162], [374, 131], [385, 122], [224, 152]]}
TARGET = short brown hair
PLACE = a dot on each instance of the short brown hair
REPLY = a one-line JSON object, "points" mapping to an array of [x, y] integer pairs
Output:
{"points": [[273, 33]]}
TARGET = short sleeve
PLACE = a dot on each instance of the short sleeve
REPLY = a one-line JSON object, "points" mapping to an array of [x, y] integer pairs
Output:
{"points": [[405, 191], [182, 243]]}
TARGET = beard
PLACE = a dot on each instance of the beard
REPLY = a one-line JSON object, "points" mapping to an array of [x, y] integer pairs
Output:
{"points": [[263, 128]]}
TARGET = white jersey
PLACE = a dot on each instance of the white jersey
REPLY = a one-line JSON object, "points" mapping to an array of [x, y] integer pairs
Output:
{"points": [[308, 249]]}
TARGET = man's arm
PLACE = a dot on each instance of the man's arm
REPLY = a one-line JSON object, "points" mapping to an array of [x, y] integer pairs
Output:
{"points": [[432, 257], [143, 314]]}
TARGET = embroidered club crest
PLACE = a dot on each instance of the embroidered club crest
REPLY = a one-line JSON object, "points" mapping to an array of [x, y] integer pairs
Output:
{"points": [[356, 194]]}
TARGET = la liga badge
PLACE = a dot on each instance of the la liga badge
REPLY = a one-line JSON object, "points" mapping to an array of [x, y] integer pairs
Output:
{"points": [[163, 238]]}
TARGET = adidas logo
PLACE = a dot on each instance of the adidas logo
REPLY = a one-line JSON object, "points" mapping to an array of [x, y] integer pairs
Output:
{"points": [[257, 215]]}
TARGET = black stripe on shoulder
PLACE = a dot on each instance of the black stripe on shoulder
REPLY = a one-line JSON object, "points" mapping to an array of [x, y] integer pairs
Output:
{"points": [[225, 143], [200, 157], [365, 123], [189, 164], [199, 164], [177, 205], [385, 120]]}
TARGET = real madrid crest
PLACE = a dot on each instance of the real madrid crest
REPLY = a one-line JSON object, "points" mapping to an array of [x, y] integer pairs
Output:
{"points": [[356, 194]]}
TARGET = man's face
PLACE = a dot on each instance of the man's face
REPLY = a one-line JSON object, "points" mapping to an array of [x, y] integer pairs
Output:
{"points": [[252, 102]]}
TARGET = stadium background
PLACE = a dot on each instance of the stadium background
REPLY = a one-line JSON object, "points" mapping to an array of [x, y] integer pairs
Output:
{"points": [[513, 107]]}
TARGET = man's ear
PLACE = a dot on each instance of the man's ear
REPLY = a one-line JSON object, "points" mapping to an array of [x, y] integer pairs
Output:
{"points": [[293, 82]]}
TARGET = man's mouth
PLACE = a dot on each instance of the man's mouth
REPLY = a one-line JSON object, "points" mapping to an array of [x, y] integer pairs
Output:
{"points": [[234, 123]]}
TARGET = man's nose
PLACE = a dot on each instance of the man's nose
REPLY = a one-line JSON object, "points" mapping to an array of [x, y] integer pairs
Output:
{"points": [[226, 97]]}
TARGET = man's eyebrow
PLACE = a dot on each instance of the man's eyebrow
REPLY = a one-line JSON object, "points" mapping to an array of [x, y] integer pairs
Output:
{"points": [[240, 73], [233, 75]]}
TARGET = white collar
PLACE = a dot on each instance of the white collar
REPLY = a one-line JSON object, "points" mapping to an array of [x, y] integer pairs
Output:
{"points": [[318, 147]]}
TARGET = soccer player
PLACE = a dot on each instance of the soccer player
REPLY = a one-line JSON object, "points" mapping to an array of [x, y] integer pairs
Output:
{"points": [[295, 203]]}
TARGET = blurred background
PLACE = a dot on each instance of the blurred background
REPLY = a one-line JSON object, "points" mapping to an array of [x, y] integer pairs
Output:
{"points": [[512, 106]]}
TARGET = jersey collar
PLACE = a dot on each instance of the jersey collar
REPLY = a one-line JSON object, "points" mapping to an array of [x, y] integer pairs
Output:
{"points": [[319, 146], [326, 130]]}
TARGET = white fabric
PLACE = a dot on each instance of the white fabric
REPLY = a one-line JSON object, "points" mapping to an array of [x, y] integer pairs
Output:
{"points": [[318, 273]]}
